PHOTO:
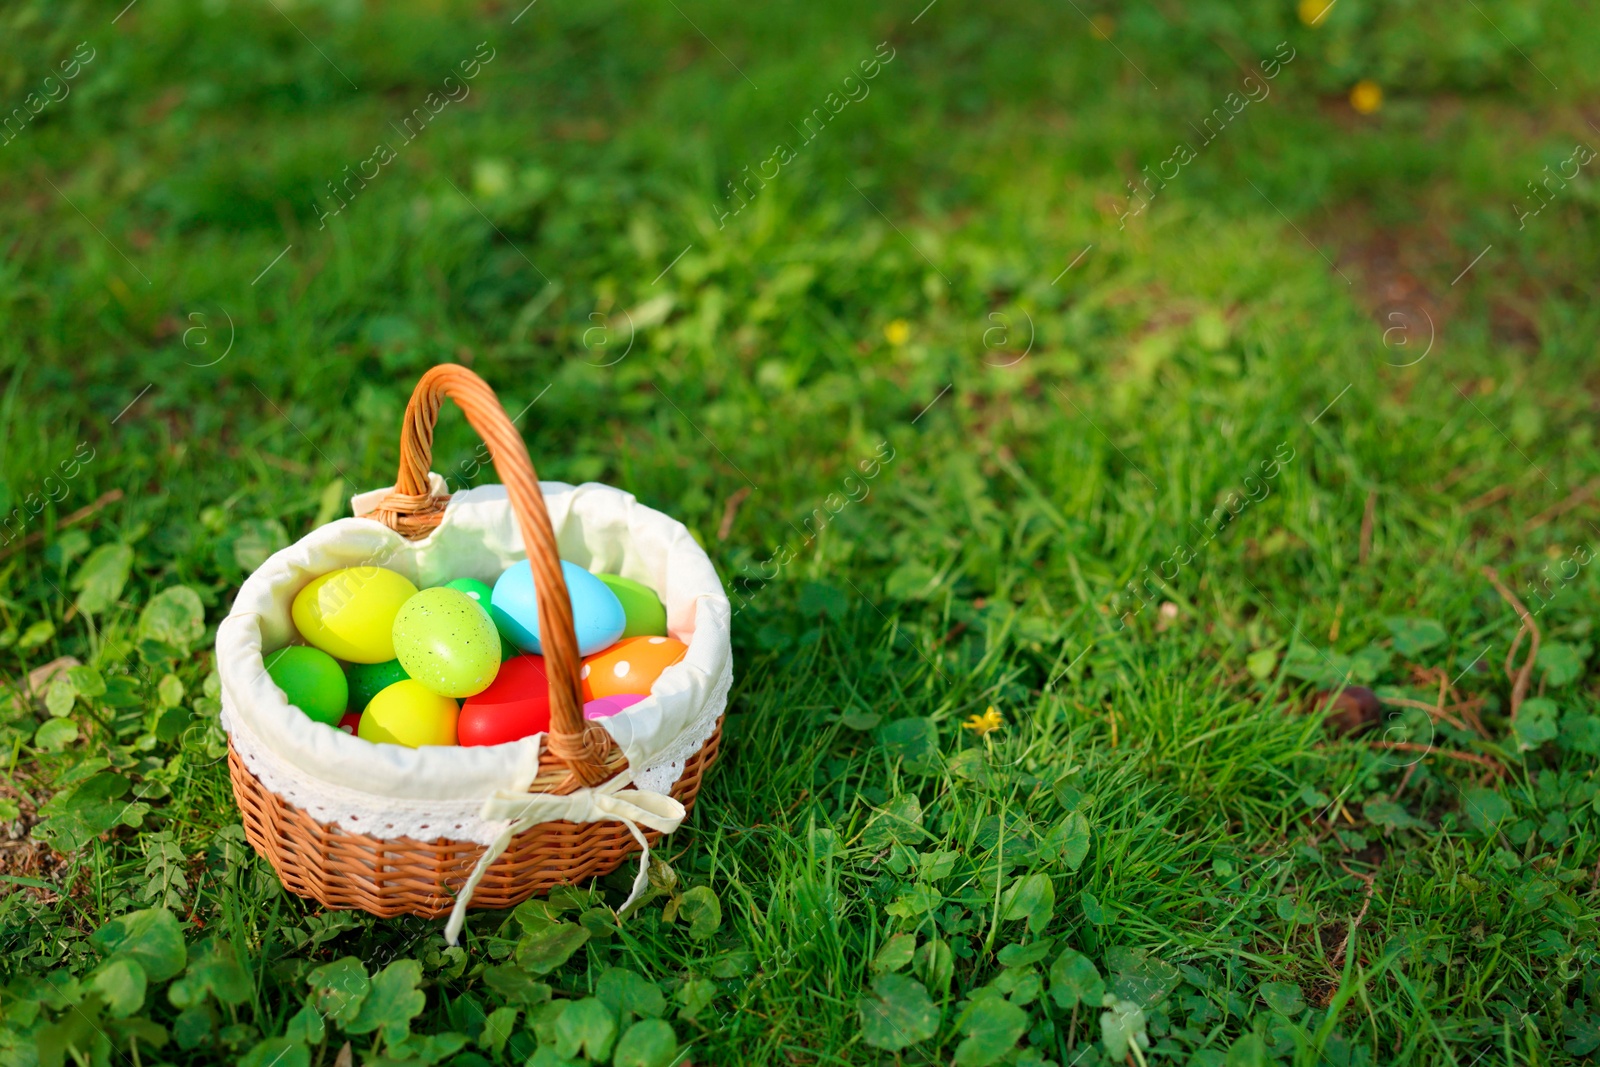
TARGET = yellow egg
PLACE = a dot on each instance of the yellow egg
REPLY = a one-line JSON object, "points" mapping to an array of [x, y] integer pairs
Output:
{"points": [[349, 613], [409, 713]]}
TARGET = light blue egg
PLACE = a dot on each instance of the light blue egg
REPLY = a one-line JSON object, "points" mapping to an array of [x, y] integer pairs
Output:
{"points": [[597, 614]]}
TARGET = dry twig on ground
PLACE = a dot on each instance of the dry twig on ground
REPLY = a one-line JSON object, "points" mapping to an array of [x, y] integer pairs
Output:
{"points": [[1520, 676], [1429, 750], [1372, 884]]}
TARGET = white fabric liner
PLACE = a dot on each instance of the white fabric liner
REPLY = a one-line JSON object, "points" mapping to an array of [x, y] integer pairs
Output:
{"points": [[387, 791]]}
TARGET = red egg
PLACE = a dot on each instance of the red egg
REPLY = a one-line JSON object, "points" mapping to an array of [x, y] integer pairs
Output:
{"points": [[516, 705], [351, 722]]}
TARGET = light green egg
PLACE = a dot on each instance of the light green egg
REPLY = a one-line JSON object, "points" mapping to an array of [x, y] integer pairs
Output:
{"points": [[445, 641], [480, 592], [646, 615]]}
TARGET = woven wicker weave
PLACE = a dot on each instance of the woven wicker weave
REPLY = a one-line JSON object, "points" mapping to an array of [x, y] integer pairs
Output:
{"points": [[402, 876]]}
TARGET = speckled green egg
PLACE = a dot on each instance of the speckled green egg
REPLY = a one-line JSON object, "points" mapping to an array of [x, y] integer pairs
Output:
{"points": [[445, 641], [480, 592]]}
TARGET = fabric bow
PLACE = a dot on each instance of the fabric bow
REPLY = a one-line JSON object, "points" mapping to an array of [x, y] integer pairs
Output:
{"points": [[519, 810]]}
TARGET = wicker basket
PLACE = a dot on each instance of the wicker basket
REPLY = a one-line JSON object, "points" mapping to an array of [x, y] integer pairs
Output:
{"points": [[404, 876]]}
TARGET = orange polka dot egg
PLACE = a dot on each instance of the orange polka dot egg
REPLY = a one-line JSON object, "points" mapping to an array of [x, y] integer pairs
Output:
{"points": [[630, 666]]}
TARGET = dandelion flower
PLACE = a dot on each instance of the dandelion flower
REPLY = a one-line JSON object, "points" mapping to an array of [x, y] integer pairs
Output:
{"points": [[1313, 12], [1366, 97], [985, 724], [897, 332]]}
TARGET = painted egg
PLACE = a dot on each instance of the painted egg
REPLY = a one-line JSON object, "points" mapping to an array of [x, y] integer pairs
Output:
{"points": [[481, 592], [409, 713], [367, 680], [351, 723], [597, 614], [606, 707], [349, 613], [444, 640], [475, 589], [646, 615], [630, 666], [311, 680], [516, 705]]}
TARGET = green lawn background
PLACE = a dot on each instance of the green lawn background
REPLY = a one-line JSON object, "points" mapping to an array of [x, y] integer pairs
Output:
{"points": [[943, 274]]}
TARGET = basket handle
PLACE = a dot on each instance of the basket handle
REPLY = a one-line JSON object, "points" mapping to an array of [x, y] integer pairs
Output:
{"points": [[413, 512]]}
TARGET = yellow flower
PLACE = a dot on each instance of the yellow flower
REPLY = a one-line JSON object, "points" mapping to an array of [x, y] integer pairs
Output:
{"points": [[1366, 97], [897, 332], [985, 724], [1313, 12], [1102, 27]]}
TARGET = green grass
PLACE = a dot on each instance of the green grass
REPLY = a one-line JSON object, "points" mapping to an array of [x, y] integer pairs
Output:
{"points": [[1164, 804]]}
